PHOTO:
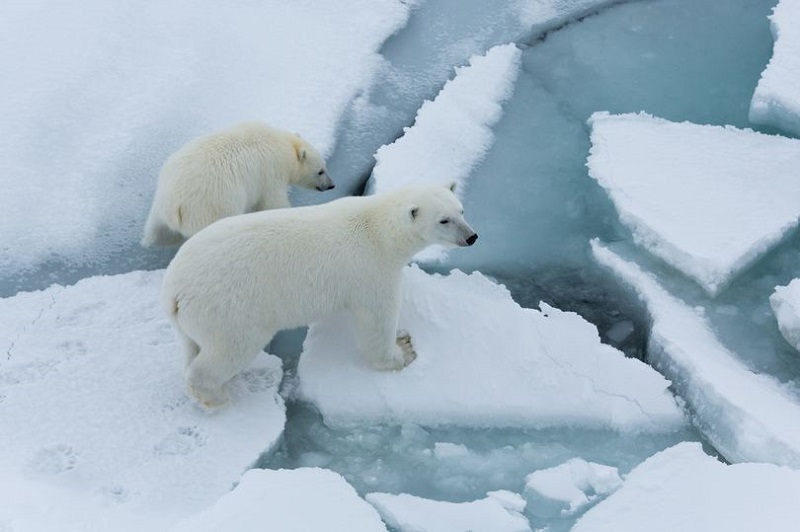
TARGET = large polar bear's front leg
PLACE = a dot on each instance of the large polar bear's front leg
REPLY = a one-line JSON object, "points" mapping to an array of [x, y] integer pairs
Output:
{"points": [[376, 332]]}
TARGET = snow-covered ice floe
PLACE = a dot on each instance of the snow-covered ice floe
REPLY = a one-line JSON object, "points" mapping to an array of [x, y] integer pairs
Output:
{"points": [[682, 488], [101, 94], [499, 511], [567, 488], [452, 133], [785, 303], [709, 200], [95, 420], [748, 417], [484, 361], [287, 500], [776, 100]]}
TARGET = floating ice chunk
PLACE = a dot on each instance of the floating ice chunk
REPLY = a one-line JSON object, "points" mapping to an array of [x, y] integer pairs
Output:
{"points": [[452, 133], [708, 200], [785, 303], [565, 489], [500, 511], [289, 500], [160, 74], [92, 401], [776, 100], [747, 416], [484, 361], [682, 488]]}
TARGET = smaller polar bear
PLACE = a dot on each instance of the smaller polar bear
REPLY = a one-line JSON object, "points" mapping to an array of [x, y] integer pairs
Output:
{"points": [[235, 284], [246, 168]]}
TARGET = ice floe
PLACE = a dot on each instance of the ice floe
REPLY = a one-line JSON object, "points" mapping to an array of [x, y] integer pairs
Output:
{"points": [[95, 417], [452, 133], [785, 303], [709, 200], [484, 361], [500, 511], [567, 488], [748, 417], [102, 94], [289, 500], [682, 488], [776, 100]]}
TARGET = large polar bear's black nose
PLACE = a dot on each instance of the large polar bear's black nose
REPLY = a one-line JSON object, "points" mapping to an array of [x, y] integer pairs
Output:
{"points": [[471, 240]]}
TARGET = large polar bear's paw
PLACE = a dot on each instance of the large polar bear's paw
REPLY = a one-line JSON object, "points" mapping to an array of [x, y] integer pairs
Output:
{"points": [[208, 399], [403, 354]]}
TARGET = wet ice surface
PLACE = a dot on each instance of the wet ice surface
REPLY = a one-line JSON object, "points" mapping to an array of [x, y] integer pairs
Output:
{"points": [[295, 500], [708, 200], [776, 101], [530, 198], [662, 493]]}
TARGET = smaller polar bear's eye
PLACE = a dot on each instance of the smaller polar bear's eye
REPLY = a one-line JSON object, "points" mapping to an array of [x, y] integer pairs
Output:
{"points": [[444, 221], [321, 172]]}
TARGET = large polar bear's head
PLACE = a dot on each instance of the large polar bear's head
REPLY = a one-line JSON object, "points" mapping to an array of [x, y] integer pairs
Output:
{"points": [[312, 172], [437, 216]]}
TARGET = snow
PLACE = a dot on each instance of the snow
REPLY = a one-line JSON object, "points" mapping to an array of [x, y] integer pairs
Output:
{"points": [[452, 133], [682, 488], [102, 94], [289, 500], [484, 361], [748, 417], [709, 200], [500, 511], [776, 100], [95, 420], [569, 487], [785, 303]]}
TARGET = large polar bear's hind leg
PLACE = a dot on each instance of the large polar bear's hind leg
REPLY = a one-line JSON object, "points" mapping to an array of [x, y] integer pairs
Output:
{"points": [[216, 364]]}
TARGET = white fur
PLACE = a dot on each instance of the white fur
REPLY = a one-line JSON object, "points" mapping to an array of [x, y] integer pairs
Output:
{"points": [[235, 284], [246, 168]]}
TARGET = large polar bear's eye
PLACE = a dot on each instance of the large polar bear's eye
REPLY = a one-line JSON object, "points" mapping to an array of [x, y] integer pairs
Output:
{"points": [[444, 221], [321, 172]]}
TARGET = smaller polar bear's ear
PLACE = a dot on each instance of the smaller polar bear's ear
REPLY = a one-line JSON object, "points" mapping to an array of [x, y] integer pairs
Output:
{"points": [[413, 212], [299, 149], [452, 186]]}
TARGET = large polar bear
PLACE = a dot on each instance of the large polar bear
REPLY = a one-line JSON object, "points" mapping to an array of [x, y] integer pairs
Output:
{"points": [[246, 168], [236, 283]]}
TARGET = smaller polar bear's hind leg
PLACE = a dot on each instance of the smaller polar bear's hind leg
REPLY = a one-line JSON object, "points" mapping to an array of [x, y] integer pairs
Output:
{"points": [[213, 367], [190, 349], [157, 233]]}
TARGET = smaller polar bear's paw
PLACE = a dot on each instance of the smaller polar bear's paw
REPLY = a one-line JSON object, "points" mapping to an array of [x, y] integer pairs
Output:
{"points": [[209, 399]]}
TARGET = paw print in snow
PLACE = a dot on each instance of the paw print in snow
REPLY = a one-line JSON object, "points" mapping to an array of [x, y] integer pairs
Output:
{"points": [[54, 459], [184, 441]]}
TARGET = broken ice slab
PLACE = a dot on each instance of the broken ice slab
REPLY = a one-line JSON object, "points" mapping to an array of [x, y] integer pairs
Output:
{"points": [[682, 488], [484, 361], [92, 397], [748, 417], [785, 303], [499, 511], [567, 488], [776, 101], [452, 133], [709, 200], [299, 500]]}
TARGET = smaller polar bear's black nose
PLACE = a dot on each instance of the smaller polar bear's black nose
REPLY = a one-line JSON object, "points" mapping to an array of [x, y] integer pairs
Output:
{"points": [[471, 240]]}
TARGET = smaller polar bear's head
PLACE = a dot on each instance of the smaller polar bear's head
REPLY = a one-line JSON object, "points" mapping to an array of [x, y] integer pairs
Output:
{"points": [[312, 172], [437, 217]]}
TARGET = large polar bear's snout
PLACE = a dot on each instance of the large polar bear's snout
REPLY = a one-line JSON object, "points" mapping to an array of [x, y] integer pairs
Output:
{"points": [[466, 235]]}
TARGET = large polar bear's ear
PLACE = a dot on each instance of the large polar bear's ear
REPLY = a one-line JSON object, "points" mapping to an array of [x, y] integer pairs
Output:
{"points": [[452, 185]]}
